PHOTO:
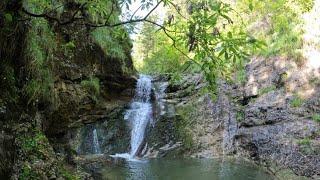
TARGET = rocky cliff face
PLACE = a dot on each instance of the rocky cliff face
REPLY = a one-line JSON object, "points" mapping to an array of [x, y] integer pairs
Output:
{"points": [[55, 79], [279, 124], [271, 118]]}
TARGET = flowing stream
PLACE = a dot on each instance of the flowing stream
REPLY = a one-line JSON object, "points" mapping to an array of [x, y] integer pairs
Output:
{"points": [[139, 115]]}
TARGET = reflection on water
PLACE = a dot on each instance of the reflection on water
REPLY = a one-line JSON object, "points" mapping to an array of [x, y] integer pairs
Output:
{"points": [[184, 169]]}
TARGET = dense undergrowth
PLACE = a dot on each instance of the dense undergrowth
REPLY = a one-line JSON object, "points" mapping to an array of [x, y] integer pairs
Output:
{"points": [[35, 49], [237, 31]]}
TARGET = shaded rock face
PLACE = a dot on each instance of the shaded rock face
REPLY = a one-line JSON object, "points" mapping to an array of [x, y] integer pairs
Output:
{"points": [[268, 119], [6, 154], [75, 104], [161, 139], [277, 122], [113, 135], [76, 57], [177, 130]]}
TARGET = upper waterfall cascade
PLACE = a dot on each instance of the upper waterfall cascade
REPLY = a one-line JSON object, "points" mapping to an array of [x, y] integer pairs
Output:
{"points": [[139, 115]]}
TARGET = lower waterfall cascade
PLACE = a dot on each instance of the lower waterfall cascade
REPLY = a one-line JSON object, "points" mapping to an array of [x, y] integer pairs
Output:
{"points": [[139, 116]]}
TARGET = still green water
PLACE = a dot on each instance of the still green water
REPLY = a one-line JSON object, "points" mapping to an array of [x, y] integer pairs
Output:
{"points": [[184, 169]]}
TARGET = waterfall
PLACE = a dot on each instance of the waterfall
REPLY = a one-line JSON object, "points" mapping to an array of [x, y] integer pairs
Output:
{"points": [[139, 115], [96, 146]]}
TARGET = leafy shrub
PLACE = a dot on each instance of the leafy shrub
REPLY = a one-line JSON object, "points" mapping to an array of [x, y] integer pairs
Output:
{"points": [[68, 49], [109, 43], [38, 52], [68, 175], [267, 90], [297, 101], [92, 86], [281, 26], [34, 145], [240, 116], [305, 141], [183, 125], [175, 78], [241, 76], [316, 117], [27, 173]]}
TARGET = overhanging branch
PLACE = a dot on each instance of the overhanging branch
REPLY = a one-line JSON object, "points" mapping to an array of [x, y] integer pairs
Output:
{"points": [[145, 18]]}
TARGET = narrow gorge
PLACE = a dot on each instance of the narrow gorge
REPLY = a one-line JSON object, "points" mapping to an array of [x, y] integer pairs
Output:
{"points": [[159, 89]]}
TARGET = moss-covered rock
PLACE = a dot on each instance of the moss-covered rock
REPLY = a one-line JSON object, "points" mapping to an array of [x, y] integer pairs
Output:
{"points": [[42, 66]]}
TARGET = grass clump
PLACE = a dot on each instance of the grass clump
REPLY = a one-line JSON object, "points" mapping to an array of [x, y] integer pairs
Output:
{"points": [[279, 23], [27, 173], [305, 141], [183, 125], [240, 116], [34, 145], [92, 86], [110, 43], [39, 51], [175, 79], [297, 101], [67, 174], [8, 84], [316, 117], [241, 76], [267, 89]]}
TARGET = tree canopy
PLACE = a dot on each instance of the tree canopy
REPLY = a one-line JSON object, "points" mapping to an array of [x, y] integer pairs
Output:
{"points": [[214, 37]]}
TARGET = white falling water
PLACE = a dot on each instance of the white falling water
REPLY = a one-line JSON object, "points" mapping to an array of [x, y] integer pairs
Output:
{"points": [[139, 115], [96, 145]]}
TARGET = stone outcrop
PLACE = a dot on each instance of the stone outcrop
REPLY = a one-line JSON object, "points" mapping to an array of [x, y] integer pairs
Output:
{"points": [[269, 119], [277, 128], [54, 80]]}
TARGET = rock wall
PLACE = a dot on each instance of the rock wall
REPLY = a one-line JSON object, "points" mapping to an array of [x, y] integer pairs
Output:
{"points": [[271, 118], [278, 127], [54, 80]]}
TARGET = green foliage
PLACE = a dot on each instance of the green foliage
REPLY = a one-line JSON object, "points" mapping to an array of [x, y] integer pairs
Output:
{"points": [[37, 7], [315, 81], [241, 76], [34, 143], [267, 89], [240, 116], [279, 23], [40, 87], [305, 141], [316, 117], [166, 60], [27, 173], [210, 44], [8, 84], [92, 86], [40, 48], [175, 79], [112, 42], [296, 101], [68, 175], [154, 53], [69, 48], [100, 11], [305, 5], [8, 17], [217, 45], [183, 125]]}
